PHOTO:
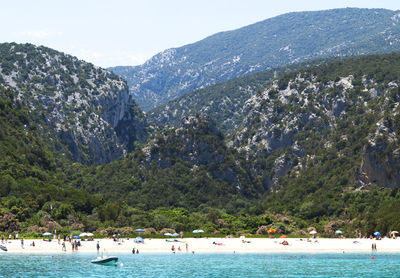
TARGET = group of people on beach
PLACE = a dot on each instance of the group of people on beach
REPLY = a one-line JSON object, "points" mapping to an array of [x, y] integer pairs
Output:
{"points": [[10, 237], [179, 248]]}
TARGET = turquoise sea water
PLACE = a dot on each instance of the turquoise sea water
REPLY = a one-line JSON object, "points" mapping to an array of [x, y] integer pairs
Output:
{"points": [[203, 265]]}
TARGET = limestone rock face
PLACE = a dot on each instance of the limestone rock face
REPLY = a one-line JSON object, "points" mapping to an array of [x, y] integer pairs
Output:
{"points": [[86, 108], [384, 173]]}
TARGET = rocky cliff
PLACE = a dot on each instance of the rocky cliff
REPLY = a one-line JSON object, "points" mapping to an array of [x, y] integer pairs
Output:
{"points": [[87, 107]]}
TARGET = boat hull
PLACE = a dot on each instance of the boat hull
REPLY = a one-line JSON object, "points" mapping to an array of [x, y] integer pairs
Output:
{"points": [[106, 261]]}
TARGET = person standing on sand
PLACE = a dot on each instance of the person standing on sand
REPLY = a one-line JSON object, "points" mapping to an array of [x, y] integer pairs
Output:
{"points": [[22, 243], [187, 247], [374, 247], [173, 249], [98, 247]]}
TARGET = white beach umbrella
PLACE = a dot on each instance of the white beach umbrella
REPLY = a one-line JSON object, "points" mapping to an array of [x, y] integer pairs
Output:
{"points": [[313, 232]]}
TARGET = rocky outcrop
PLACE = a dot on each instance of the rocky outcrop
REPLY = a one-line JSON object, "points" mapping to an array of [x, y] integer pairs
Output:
{"points": [[199, 146], [197, 140], [382, 172]]}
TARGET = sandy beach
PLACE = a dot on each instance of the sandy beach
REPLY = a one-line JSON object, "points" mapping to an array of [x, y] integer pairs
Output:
{"points": [[210, 245]]}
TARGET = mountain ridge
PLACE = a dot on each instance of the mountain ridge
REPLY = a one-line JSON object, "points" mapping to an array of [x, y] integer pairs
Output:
{"points": [[285, 39]]}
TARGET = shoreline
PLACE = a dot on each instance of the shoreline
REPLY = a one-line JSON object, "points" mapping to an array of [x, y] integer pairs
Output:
{"points": [[209, 246]]}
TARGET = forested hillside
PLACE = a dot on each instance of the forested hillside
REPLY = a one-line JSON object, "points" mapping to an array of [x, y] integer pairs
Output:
{"points": [[32, 178], [185, 167], [318, 146], [326, 138]]}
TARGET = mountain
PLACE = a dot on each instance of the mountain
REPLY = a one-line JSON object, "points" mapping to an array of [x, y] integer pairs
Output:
{"points": [[278, 41], [317, 146], [181, 180], [223, 102], [324, 137], [88, 109]]}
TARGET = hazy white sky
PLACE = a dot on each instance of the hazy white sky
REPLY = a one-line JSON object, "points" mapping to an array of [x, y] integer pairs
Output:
{"points": [[122, 32]]}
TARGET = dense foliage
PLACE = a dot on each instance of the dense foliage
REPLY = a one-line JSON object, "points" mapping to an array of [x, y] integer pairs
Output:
{"points": [[189, 167], [32, 181]]}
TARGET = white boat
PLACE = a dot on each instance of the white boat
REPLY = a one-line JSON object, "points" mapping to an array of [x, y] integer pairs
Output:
{"points": [[112, 260]]}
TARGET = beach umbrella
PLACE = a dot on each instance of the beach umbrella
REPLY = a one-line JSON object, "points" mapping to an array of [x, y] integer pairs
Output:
{"points": [[284, 236], [313, 232], [138, 240], [339, 232], [394, 232], [198, 231], [167, 234], [139, 230], [89, 234], [83, 234], [47, 234], [76, 237], [175, 234], [377, 234]]}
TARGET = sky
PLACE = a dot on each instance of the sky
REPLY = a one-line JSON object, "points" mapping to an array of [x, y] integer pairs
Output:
{"points": [[128, 32]]}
